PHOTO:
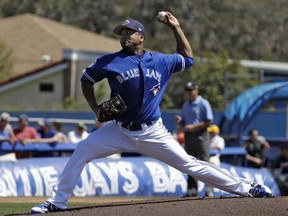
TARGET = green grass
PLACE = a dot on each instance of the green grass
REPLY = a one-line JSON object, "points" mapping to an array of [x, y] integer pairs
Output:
{"points": [[24, 208]]}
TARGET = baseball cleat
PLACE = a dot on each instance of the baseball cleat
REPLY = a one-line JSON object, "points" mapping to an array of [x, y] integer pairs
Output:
{"points": [[45, 208], [258, 190]]}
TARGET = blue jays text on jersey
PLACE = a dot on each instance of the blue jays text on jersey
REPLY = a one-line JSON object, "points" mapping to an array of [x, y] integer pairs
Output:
{"points": [[140, 80], [132, 73]]}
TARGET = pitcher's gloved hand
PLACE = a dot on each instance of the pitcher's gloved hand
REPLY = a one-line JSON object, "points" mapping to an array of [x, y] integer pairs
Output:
{"points": [[112, 108]]}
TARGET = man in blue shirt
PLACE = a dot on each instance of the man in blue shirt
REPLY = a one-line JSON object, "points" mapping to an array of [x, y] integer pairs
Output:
{"points": [[140, 78], [196, 117]]}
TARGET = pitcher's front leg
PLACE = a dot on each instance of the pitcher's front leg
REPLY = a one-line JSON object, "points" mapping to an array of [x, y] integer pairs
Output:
{"points": [[98, 144]]}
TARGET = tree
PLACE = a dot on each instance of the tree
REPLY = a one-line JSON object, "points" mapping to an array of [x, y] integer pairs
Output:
{"points": [[209, 74], [245, 29]]}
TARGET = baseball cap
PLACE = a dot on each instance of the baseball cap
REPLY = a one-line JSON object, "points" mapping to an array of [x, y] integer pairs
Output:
{"points": [[131, 24], [82, 125], [191, 86], [44, 122], [5, 116], [23, 117], [213, 129]]}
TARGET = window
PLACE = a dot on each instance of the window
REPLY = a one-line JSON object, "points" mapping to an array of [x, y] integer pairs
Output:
{"points": [[46, 87]]}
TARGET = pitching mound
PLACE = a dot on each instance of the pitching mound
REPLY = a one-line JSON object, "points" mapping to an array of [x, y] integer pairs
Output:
{"points": [[230, 206]]}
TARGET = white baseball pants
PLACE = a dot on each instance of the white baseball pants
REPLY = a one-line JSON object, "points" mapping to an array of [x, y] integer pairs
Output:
{"points": [[153, 141]]}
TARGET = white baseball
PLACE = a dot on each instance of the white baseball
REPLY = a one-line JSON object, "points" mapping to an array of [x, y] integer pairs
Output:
{"points": [[162, 16]]}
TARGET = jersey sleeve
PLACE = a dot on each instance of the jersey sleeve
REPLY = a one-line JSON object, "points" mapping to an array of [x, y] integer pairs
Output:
{"points": [[176, 62], [95, 72]]}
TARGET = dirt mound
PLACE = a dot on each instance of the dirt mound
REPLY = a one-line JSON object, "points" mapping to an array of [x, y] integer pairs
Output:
{"points": [[231, 206]]}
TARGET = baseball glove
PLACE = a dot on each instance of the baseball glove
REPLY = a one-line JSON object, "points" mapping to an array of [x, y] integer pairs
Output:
{"points": [[112, 108]]}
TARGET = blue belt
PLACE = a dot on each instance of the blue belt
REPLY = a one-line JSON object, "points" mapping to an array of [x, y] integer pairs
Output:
{"points": [[136, 127]]}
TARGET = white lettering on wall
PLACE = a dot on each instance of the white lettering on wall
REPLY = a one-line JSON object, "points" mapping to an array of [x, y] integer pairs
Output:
{"points": [[176, 179], [111, 171], [50, 177], [105, 178], [7, 184], [97, 180], [90, 185], [159, 177], [83, 188], [38, 182], [126, 170], [23, 175]]}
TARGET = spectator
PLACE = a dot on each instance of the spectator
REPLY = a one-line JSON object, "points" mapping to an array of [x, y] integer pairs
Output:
{"points": [[47, 135], [216, 142], [24, 134], [255, 147], [45, 129], [196, 117], [80, 133], [61, 137], [6, 135], [281, 172], [6, 130]]}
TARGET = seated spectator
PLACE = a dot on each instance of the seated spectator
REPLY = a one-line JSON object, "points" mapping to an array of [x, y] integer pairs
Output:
{"points": [[6, 135], [47, 135], [6, 130], [45, 129], [281, 172], [61, 137], [24, 134], [255, 147], [80, 133]]}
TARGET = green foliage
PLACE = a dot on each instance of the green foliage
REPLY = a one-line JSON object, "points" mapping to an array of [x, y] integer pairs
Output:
{"points": [[209, 73], [70, 104], [218, 30], [247, 29], [102, 91], [5, 62]]}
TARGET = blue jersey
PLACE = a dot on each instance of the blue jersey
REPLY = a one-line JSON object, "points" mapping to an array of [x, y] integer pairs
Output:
{"points": [[196, 111], [140, 80]]}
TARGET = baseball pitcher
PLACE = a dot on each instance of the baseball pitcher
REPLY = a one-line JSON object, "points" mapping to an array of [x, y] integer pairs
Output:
{"points": [[139, 79]]}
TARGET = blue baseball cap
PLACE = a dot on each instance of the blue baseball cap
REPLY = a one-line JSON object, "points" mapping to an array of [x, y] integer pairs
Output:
{"points": [[131, 24]]}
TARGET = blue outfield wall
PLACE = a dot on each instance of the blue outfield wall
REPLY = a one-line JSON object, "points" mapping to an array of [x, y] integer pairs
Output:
{"points": [[131, 176]]}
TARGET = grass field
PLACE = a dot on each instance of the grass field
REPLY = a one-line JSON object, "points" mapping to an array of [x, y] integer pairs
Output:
{"points": [[18, 208], [18, 205]]}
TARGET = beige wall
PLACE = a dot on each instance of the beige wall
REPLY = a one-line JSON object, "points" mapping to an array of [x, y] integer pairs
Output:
{"points": [[28, 96]]}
